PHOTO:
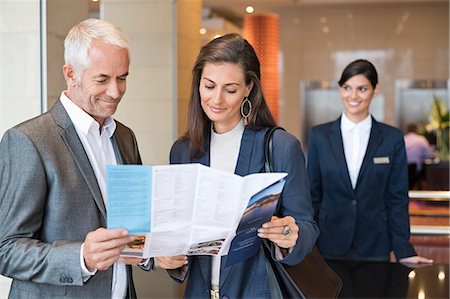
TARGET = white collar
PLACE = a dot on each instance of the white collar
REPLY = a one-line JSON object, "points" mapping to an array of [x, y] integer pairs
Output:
{"points": [[237, 130], [83, 121], [364, 125]]}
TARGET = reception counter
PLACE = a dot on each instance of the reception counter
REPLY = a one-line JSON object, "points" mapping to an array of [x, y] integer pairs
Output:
{"points": [[430, 224], [391, 280]]}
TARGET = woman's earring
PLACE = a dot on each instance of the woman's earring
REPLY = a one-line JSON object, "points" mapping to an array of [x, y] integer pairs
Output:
{"points": [[246, 102]]}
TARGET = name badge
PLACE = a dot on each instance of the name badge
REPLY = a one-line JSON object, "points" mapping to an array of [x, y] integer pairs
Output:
{"points": [[381, 160]]}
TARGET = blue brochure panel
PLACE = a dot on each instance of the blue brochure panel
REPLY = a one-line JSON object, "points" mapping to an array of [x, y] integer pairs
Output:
{"points": [[128, 197], [260, 210]]}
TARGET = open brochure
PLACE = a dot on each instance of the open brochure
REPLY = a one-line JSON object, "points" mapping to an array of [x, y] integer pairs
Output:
{"points": [[188, 209], [260, 209]]}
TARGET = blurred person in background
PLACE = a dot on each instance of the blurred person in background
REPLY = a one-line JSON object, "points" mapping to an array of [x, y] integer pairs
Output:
{"points": [[418, 150]]}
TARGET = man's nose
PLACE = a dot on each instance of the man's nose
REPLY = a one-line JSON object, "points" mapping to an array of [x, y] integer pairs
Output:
{"points": [[113, 90]]}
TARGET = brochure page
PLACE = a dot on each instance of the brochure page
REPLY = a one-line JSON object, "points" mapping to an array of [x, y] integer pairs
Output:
{"points": [[179, 209]]}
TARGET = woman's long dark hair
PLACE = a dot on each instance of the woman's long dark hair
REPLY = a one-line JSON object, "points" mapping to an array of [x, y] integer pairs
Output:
{"points": [[230, 48]]}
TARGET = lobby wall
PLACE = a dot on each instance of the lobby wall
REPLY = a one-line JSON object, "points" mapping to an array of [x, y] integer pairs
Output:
{"points": [[20, 62], [189, 16], [404, 41], [149, 105]]}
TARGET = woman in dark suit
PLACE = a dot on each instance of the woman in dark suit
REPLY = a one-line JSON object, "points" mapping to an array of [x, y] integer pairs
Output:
{"points": [[358, 178], [227, 120]]}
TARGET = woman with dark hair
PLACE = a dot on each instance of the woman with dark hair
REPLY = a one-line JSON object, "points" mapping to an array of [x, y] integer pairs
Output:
{"points": [[359, 178], [227, 121]]}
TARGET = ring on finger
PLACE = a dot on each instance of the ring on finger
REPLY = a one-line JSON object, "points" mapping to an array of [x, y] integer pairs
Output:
{"points": [[286, 231]]}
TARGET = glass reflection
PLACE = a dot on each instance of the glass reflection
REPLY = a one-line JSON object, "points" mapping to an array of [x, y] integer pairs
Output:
{"points": [[391, 280]]}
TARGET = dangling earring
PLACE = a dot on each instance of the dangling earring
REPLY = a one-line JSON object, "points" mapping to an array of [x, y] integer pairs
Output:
{"points": [[249, 104]]}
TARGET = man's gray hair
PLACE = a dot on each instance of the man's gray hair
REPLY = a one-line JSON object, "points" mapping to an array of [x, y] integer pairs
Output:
{"points": [[80, 38]]}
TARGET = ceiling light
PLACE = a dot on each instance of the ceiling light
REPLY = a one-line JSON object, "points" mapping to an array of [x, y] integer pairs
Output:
{"points": [[202, 31], [249, 9]]}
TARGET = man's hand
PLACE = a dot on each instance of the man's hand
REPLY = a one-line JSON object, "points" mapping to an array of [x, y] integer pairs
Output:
{"points": [[102, 247]]}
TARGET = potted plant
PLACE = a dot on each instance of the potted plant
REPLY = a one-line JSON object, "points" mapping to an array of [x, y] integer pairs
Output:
{"points": [[440, 123]]}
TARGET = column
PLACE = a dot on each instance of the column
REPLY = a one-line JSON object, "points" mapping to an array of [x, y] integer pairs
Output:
{"points": [[262, 32]]}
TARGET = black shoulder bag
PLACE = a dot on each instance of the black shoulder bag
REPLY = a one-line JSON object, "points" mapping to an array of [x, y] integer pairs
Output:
{"points": [[312, 277]]}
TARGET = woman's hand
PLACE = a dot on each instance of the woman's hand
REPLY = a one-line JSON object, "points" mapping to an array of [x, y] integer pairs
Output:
{"points": [[281, 231], [171, 262], [415, 260]]}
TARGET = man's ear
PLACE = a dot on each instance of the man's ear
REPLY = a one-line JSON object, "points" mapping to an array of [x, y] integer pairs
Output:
{"points": [[69, 75]]}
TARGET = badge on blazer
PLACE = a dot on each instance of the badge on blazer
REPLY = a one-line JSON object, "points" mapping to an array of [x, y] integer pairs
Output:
{"points": [[381, 160]]}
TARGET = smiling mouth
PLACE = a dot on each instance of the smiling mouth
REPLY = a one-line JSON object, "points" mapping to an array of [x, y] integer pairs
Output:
{"points": [[216, 109], [353, 103], [110, 101]]}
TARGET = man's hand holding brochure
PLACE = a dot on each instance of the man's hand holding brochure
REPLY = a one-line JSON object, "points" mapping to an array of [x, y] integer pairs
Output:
{"points": [[190, 209]]}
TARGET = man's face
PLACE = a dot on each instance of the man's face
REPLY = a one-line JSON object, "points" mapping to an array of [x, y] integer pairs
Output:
{"points": [[103, 83]]}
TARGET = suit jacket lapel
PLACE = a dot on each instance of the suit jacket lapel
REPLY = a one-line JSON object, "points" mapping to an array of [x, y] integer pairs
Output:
{"points": [[375, 138], [75, 147], [117, 145], [125, 148], [337, 146], [245, 152], [204, 159]]}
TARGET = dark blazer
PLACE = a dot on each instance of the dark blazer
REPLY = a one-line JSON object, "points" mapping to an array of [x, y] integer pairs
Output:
{"points": [[373, 218], [248, 279], [49, 201]]}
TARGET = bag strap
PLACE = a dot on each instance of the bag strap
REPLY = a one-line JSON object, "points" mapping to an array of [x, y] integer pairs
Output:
{"points": [[268, 148], [312, 277]]}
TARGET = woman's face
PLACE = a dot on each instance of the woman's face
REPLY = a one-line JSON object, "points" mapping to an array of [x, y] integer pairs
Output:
{"points": [[222, 89], [357, 93]]}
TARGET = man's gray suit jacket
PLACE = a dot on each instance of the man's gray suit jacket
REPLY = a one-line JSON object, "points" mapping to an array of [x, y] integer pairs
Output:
{"points": [[49, 201]]}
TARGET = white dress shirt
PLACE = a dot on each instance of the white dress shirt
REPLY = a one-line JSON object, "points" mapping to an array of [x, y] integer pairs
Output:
{"points": [[355, 138], [100, 152], [224, 152]]}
